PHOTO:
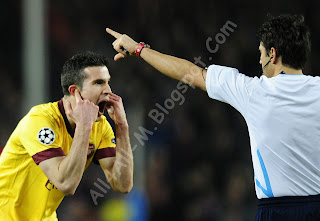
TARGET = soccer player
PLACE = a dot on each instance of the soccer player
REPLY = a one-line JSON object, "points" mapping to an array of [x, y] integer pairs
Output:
{"points": [[281, 109], [46, 155]]}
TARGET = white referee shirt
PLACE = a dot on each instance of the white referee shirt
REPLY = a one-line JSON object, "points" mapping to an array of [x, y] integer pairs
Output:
{"points": [[283, 118]]}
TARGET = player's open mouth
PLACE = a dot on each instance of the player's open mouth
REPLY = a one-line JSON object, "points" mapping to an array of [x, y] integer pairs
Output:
{"points": [[102, 106]]}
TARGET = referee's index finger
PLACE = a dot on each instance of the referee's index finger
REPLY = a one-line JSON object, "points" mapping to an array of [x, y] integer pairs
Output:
{"points": [[113, 33]]}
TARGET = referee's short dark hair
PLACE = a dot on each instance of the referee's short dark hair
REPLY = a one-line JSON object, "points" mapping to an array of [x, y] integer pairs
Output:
{"points": [[289, 35], [72, 70]]}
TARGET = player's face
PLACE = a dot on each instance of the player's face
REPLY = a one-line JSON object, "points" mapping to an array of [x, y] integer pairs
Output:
{"points": [[96, 87], [264, 59]]}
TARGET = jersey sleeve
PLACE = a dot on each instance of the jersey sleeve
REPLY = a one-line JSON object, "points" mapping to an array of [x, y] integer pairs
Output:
{"points": [[107, 146], [39, 136], [228, 85]]}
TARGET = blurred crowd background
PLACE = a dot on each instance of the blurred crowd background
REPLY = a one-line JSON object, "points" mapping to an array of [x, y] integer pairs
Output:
{"points": [[197, 164]]}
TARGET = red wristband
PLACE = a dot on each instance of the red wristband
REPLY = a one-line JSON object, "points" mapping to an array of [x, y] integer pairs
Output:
{"points": [[141, 46]]}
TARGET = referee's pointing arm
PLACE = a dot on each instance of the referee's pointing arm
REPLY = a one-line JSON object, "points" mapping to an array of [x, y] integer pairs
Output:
{"points": [[173, 67]]}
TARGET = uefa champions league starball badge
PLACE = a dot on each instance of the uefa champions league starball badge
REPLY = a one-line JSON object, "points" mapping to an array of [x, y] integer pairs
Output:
{"points": [[46, 136]]}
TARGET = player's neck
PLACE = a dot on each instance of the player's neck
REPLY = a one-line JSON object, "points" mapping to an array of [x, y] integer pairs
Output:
{"points": [[71, 122]]}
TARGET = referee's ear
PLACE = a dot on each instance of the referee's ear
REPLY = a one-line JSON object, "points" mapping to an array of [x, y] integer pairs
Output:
{"points": [[273, 54]]}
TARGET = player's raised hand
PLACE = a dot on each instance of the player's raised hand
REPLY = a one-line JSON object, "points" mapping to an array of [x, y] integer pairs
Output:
{"points": [[83, 112], [123, 44], [115, 109]]}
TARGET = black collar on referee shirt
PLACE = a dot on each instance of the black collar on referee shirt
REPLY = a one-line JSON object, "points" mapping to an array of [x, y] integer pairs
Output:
{"points": [[289, 74]]}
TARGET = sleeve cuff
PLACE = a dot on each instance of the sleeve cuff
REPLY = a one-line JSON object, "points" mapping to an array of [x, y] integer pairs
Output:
{"points": [[209, 80], [104, 153], [47, 154]]}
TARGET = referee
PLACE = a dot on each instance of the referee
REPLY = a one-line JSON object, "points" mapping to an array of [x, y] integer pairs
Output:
{"points": [[281, 109]]}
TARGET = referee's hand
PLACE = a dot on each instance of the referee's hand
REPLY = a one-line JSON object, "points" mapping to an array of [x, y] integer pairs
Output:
{"points": [[123, 44]]}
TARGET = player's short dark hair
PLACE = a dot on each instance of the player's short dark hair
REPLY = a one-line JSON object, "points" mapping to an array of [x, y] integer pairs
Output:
{"points": [[72, 70], [289, 35]]}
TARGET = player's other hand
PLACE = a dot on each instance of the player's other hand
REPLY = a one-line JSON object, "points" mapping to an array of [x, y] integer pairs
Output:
{"points": [[123, 44], [83, 112], [116, 110]]}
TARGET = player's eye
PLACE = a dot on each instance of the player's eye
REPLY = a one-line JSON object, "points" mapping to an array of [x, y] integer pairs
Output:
{"points": [[99, 82]]}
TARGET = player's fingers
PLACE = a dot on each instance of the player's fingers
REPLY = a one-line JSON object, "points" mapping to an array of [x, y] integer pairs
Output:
{"points": [[110, 101], [77, 95], [110, 110], [113, 33], [114, 101], [114, 96], [68, 107], [119, 56]]}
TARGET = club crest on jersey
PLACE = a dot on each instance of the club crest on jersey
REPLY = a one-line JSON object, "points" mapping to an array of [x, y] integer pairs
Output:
{"points": [[90, 150], [46, 136]]}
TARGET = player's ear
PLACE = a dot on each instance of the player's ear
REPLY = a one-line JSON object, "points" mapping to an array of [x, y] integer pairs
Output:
{"points": [[72, 89]]}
